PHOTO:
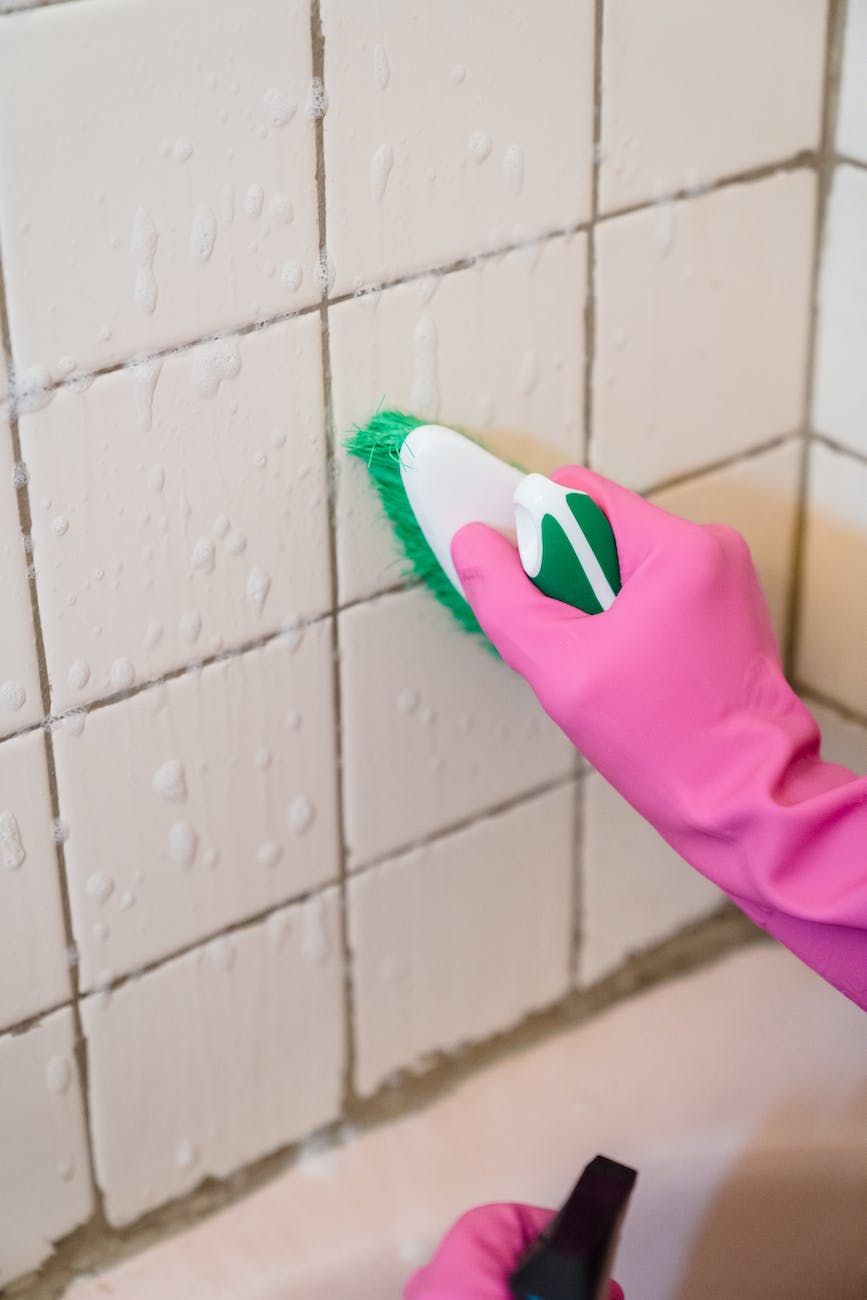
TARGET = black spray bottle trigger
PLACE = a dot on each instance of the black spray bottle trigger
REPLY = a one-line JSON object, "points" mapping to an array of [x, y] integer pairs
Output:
{"points": [[571, 1259]]}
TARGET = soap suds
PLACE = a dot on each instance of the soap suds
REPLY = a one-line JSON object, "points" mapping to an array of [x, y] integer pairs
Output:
{"points": [[144, 382], [253, 200], [279, 107], [183, 843], [380, 169], [301, 815], [280, 209], [213, 363], [317, 100], [12, 851], [513, 168], [258, 586], [170, 781], [12, 696], [144, 247], [32, 389], [203, 233]]}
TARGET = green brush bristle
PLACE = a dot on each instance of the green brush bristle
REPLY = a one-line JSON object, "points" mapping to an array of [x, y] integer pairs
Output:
{"points": [[378, 444]]}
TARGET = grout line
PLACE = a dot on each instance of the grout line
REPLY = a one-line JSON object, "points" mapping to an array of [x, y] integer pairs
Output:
{"points": [[24, 519], [404, 584], [846, 160], [824, 172], [487, 813], [19, 1027], [834, 445], [317, 37]]}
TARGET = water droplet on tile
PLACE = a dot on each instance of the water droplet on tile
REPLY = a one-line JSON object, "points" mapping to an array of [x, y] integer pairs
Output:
{"points": [[65, 1170], [415, 1252], [280, 209], [182, 149], [185, 1154], [12, 696], [235, 542], [203, 556], [317, 100], [220, 526], [58, 1074], [100, 931], [221, 952], [427, 717], [262, 759], [380, 169], [458, 73], [425, 392], [291, 276], [183, 843], [253, 200], [268, 854], [292, 720], [210, 857], [381, 70], [408, 700], [315, 947], [258, 586], [104, 333], [170, 781], [100, 886], [12, 851], [127, 900], [479, 146], [156, 478], [213, 363], [144, 247], [203, 233], [190, 626], [301, 815], [513, 168], [279, 107], [153, 635], [268, 269], [260, 459], [528, 372], [79, 674], [122, 674]]}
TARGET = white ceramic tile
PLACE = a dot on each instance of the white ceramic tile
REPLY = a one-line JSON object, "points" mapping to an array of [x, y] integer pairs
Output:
{"points": [[757, 496], [701, 327], [497, 348], [163, 540], [44, 1173], [20, 697], [843, 741], [435, 728], [199, 803], [35, 972], [635, 890], [462, 938], [832, 623], [153, 189], [840, 402], [688, 93], [452, 129], [216, 1058], [852, 109]]}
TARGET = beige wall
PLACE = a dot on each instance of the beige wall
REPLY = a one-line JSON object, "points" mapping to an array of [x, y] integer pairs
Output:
{"points": [[270, 823]]}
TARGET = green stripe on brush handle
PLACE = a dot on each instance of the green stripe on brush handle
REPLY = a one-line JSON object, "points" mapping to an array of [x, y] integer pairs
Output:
{"points": [[566, 544]]}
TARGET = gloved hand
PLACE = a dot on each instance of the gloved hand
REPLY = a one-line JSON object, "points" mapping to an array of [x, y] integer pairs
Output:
{"points": [[677, 696], [477, 1255]]}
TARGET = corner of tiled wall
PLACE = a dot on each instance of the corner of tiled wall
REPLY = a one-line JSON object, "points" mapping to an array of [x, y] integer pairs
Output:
{"points": [[265, 814]]}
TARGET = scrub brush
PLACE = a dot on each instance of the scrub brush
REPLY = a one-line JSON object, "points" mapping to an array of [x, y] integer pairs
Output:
{"points": [[432, 481]]}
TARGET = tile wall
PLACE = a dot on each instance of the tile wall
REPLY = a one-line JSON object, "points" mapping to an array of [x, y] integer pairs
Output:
{"points": [[272, 832]]}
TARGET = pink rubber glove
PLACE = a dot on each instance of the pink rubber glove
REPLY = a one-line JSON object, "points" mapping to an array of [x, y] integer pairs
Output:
{"points": [[477, 1255], [676, 695]]}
